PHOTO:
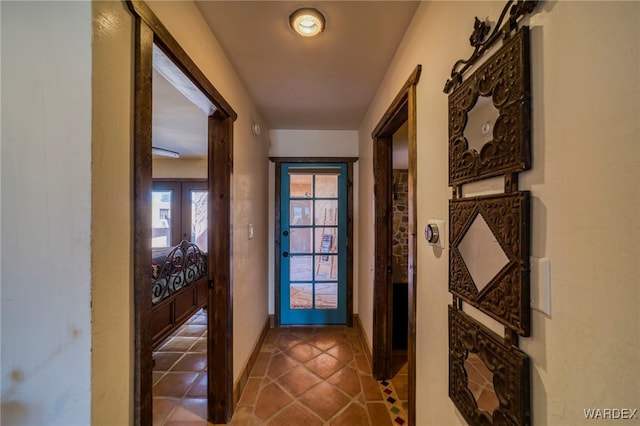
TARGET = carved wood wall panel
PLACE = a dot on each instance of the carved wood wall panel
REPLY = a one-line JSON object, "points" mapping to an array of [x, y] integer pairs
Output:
{"points": [[506, 296], [509, 365], [505, 79]]}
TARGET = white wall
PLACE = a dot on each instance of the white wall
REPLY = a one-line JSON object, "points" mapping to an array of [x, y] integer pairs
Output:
{"points": [[585, 184], [306, 144], [46, 201]]}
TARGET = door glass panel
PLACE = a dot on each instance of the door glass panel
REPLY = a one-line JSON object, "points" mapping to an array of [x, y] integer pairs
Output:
{"points": [[161, 218], [326, 267], [300, 268], [301, 186], [326, 241], [313, 275], [300, 240], [300, 296], [199, 218], [326, 212], [326, 296], [300, 212], [326, 186]]}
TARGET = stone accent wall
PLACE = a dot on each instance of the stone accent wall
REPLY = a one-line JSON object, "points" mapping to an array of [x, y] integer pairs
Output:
{"points": [[400, 226]]}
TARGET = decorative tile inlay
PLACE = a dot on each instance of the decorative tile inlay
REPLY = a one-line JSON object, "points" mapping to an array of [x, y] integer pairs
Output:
{"points": [[393, 403]]}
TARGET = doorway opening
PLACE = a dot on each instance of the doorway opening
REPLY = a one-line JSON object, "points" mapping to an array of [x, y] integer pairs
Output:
{"points": [[313, 220], [151, 37], [401, 112], [313, 241], [400, 249]]}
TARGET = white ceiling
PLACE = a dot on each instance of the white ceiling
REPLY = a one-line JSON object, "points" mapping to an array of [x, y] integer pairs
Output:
{"points": [[178, 125], [321, 83]]}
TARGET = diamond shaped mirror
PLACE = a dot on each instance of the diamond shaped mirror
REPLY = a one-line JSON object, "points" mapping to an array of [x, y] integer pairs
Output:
{"points": [[481, 253], [489, 256]]}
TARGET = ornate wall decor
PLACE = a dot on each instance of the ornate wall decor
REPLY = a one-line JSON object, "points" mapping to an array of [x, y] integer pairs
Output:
{"points": [[489, 256], [508, 366], [504, 80], [489, 237]]}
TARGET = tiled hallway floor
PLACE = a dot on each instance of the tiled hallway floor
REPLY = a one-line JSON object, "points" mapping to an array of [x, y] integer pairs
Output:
{"points": [[303, 376]]}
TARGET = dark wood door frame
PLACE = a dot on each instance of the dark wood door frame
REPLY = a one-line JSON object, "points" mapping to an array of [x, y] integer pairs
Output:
{"points": [[149, 31], [277, 229], [401, 110]]}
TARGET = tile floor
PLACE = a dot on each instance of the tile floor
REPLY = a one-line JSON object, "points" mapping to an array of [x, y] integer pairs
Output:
{"points": [[303, 376]]}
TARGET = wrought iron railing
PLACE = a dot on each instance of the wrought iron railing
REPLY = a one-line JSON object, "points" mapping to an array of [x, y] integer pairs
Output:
{"points": [[183, 265]]}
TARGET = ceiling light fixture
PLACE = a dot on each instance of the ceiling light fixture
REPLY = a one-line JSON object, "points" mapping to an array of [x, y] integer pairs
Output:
{"points": [[164, 152], [307, 22]]}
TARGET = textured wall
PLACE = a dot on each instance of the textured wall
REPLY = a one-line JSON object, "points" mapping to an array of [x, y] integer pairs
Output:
{"points": [[46, 213], [400, 250]]}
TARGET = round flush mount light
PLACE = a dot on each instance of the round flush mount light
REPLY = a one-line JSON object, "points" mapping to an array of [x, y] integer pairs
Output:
{"points": [[307, 22]]}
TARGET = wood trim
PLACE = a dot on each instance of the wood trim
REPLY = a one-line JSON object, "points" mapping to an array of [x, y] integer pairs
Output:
{"points": [[350, 244], [313, 159], [143, 358], [277, 232], [220, 327], [388, 124], [180, 180], [277, 227], [251, 362], [149, 30], [174, 51], [413, 249], [382, 286], [367, 344], [402, 108]]}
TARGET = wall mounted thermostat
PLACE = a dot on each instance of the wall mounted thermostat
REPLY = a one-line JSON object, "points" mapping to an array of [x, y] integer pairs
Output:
{"points": [[434, 233]]}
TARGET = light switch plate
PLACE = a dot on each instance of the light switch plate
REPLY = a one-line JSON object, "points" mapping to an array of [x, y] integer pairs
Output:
{"points": [[251, 231], [541, 284]]}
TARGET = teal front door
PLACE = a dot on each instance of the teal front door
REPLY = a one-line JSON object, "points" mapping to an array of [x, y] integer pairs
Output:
{"points": [[313, 274]]}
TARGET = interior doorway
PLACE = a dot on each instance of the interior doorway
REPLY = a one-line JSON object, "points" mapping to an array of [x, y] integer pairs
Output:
{"points": [[341, 168], [401, 112], [400, 249], [151, 37], [313, 221]]}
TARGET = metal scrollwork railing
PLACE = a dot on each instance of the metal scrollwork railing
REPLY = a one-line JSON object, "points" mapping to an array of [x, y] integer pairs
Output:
{"points": [[481, 40], [182, 266]]}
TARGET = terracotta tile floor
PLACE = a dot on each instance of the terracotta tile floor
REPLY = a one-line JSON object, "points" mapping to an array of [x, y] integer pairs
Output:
{"points": [[303, 376]]}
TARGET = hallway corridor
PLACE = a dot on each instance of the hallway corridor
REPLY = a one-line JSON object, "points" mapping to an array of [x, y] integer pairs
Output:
{"points": [[303, 376]]}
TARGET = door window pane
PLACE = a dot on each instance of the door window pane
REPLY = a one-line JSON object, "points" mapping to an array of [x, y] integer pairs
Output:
{"points": [[199, 219], [326, 241], [301, 186], [326, 186], [300, 240], [326, 296], [300, 296], [300, 268], [161, 218], [326, 267], [326, 212], [300, 212]]}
